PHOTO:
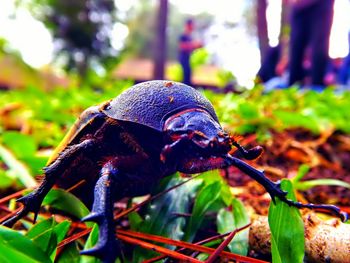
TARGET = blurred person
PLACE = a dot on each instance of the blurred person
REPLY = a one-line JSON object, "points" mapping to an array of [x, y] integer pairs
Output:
{"points": [[333, 71], [268, 69], [311, 22], [186, 47], [344, 71]]}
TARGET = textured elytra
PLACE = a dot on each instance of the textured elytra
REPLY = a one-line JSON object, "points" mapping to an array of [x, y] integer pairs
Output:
{"points": [[151, 103], [84, 120]]}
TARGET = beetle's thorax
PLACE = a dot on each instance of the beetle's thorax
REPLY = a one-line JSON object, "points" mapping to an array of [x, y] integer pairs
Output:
{"points": [[197, 126]]}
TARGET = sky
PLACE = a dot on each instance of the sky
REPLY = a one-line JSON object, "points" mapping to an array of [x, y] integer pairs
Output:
{"points": [[25, 34], [239, 53]]}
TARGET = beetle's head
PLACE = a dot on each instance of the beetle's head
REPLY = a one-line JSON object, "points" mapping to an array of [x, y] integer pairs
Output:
{"points": [[199, 130]]}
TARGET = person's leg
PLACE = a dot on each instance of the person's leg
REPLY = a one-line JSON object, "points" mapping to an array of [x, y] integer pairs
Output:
{"points": [[298, 41], [344, 72], [187, 73], [322, 19]]}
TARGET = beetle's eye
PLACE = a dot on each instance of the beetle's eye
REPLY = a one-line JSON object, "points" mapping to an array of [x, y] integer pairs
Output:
{"points": [[176, 124]]}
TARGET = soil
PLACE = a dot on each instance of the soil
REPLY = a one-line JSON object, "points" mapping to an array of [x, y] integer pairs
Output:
{"points": [[327, 155]]}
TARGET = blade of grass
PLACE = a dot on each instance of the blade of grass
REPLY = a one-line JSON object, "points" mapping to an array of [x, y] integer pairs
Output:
{"points": [[19, 169], [305, 185]]}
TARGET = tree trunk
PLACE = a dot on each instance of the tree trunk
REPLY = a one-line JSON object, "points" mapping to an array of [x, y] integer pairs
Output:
{"points": [[160, 50], [262, 28]]}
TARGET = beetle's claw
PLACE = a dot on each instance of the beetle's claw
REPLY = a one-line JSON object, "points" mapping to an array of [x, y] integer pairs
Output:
{"points": [[95, 251], [93, 217], [280, 194], [31, 203], [106, 249], [344, 216]]}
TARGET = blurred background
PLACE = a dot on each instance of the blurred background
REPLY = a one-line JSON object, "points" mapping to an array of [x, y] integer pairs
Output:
{"points": [[117, 37]]}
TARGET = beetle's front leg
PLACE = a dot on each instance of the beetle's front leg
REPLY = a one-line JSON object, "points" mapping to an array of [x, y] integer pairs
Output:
{"points": [[32, 201], [107, 247], [205, 164]]}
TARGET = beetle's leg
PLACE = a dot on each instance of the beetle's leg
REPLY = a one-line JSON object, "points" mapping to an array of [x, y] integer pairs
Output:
{"points": [[197, 166], [250, 154], [205, 164], [107, 247], [32, 201], [274, 189]]}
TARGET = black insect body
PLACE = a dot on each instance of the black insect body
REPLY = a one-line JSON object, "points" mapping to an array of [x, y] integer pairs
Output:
{"points": [[123, 147]]}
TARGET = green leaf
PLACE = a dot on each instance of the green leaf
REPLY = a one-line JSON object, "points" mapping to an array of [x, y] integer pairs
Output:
{"points": [[161, 217], [61, 230], [47, 234], [70, 254], [241, 218], [47, 241], [20, 144], [40, 227], [135, 220], [5, 180], [246, 128], [212, 176], [287, 229], [248, 111], [228, 221], [206, 197], [90, 242], [198, 57], [164, 215], [298, 120], [17, 168], [67, 202], [15, 247], [35, 163]]}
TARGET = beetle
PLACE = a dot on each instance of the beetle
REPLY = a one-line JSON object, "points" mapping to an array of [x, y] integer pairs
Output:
{"points": [[123, 147]]}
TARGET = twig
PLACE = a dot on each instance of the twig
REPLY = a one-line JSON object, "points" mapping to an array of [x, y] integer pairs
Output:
{"points": [[158, 249], [11, 196], [207, 240], [224, 244], [187, 245]]}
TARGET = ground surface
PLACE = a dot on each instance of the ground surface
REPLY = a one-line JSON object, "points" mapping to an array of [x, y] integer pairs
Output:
{"points": [[327, 155]]}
